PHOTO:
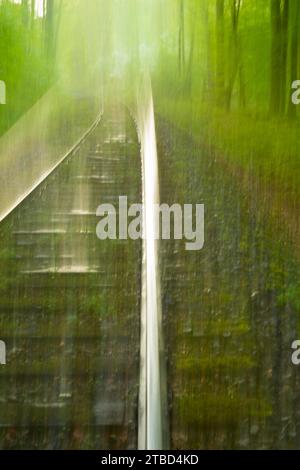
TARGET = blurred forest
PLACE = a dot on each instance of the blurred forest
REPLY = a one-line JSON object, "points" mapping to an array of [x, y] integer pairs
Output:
{"points": [[227, 135], [221, 69], [239, 53], [28, 31], [225, 75]]}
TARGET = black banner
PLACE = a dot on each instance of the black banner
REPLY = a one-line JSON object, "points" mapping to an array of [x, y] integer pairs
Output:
{"points": [[134, 459]]}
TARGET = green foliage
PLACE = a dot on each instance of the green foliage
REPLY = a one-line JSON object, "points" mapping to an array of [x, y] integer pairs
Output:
{"points": [[239, 70], [208, 363], [291, 296], [220, 409], [24, 65]]}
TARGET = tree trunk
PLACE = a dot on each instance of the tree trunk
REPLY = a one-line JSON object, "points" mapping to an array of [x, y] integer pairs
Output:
{"points": [[49, 28], [32, 11], [235, 67], [208, 76], [181, 39], [189, 70], [294, 25], [25, 13], [284, 50], [275, 74], [220, 79]]}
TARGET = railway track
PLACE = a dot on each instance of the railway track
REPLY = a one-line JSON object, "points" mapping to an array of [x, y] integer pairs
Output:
{"points": [[70, 303]]}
